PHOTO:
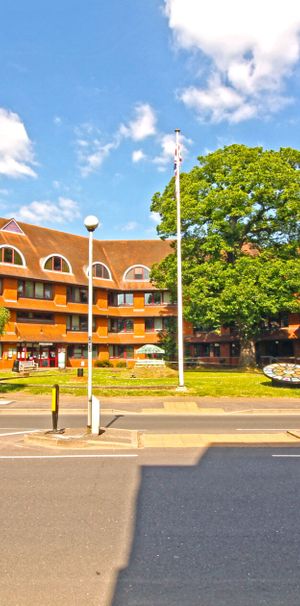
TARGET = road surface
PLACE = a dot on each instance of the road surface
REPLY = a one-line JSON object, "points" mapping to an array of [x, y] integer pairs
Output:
{"points": [[159, 423]]}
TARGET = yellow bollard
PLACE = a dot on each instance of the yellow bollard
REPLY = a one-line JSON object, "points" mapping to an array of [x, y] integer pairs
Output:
{"points": [[55, 407]]}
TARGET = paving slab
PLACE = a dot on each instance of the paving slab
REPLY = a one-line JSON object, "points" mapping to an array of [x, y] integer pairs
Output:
{"points": [[200, 440]]}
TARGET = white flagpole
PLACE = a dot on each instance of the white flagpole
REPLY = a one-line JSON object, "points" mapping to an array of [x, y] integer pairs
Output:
{"points": [[179, 266]]}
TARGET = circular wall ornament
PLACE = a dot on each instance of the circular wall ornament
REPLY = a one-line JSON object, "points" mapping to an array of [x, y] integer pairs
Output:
{"points": [[288, 374]]}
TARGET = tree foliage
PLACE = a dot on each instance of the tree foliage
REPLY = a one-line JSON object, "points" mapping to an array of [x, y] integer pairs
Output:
{"points": [[168, 339], [240, 213], [4, 317]]}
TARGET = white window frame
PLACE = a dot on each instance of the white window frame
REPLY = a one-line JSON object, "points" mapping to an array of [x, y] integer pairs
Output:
{"points": [[95, 277], [132, 267], [44, 261], [18, 251]]}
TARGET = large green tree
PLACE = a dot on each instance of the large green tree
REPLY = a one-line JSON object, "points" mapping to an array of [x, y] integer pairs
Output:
{"points": [[240, 213]]}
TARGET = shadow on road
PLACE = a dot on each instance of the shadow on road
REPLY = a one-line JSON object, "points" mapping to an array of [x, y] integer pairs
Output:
{"points": [[220, 533]]}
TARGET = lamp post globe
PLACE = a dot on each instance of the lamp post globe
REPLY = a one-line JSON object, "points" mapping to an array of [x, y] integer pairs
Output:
{"points": [[91, 222]]}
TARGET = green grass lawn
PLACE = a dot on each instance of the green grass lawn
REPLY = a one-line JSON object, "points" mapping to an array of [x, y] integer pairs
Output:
{"points": [[156, 381]]}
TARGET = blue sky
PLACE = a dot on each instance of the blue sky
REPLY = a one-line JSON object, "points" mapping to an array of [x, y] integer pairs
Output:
{"points": [[91, 92]]}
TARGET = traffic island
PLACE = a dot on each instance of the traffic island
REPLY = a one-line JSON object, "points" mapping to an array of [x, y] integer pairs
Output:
{"points": [[114, 439], [81, 438], [295, 433]]}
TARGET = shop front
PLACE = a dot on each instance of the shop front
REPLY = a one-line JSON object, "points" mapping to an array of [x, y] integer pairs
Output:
{"points": [[44, 354]]}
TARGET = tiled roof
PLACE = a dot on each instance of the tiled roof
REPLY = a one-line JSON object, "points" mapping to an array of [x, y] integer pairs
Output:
{"points": [[36, 243]]}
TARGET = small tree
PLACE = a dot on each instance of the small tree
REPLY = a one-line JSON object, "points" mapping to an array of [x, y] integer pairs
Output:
{"points": [[168, 339], [240, 239], [4, 317]]}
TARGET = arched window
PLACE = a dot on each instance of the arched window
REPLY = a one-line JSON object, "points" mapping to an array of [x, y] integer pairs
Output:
{"points": [[10, 254], [57, 263], [101, 271], [137, 272]]}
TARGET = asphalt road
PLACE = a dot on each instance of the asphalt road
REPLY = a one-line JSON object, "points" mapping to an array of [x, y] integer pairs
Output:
{"points": [[211, 527], [159, 423]]}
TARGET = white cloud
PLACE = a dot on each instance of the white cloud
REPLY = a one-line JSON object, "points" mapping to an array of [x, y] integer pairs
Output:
{"points": [[16, 155], [155, 217], [130, 226], [91, 150], [65, 210], [144, 124], [166, 156], [138, 155], [57, 120], [253, 48]]}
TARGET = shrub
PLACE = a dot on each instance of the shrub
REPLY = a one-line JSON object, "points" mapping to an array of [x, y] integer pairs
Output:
{"points": [[103, 364], [121, 364]]}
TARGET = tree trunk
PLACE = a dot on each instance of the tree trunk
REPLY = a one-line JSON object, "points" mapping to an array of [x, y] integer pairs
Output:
{"points": [[247, 355]]}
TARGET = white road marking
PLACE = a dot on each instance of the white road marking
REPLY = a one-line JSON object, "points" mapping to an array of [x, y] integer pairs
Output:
{"points": [[17, 433], [285, 456], [74, 456]]}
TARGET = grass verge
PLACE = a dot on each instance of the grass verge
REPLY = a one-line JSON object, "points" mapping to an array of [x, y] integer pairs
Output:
{"points": [[145, 382]]}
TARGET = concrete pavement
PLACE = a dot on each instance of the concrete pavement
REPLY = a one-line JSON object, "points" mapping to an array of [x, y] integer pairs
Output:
{"points": [[158, 405]]}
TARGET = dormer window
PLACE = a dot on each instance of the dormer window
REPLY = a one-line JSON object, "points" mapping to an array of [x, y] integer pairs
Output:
{"points": [[9, 254], [57, 263], [138, 272], [101, 271], [12, 226]]}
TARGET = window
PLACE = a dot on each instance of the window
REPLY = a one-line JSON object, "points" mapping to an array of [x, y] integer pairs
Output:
{"points": [[1, 286], [56, 263], [157, 298], [202, 350], [234, 350], [216, 350], [35, 317], [120, 325], [12, 226], [139, 272], [77, 294], [117, 299], [80, 351], [153, 298], [79, 323], [120, 351], [8, 254], [101, 271], [35, 290], [153, 324], [156, 324]]}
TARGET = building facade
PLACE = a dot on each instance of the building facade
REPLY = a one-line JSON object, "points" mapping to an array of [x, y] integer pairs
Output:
{"points": [[44, 284]]}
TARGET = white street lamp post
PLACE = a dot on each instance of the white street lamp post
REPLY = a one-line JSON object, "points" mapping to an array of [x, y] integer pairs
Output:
{"points": [[91, 223], [181, 385]]}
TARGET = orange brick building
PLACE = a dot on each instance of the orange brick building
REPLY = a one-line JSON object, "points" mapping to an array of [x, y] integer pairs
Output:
{"points": [[44, 284]]}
